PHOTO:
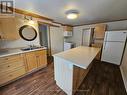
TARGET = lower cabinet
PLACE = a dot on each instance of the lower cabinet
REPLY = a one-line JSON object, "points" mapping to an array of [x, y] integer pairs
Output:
{"points": [[35, 59], [41, 58], [11, 67], [14, 66], [30, 61], [6, 77]]}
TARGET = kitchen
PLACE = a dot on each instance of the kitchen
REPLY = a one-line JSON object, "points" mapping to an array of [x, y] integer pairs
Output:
{"points": [[53, 55]]}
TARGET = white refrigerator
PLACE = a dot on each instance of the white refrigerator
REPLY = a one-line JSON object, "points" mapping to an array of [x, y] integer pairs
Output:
{"points": [[113, 46]]}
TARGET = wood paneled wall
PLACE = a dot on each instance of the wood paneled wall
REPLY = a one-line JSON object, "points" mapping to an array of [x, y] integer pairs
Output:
{"points": [[123, 68]]}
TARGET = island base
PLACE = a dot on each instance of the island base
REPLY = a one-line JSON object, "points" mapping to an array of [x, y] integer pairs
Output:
{"points": [[68, 76]]}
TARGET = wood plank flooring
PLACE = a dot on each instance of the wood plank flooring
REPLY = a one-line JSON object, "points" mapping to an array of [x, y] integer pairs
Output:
{"points": [[103, 79]]}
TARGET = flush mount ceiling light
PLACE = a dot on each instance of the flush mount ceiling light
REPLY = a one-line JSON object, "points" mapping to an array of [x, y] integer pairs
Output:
{"points": [[72, 14]]}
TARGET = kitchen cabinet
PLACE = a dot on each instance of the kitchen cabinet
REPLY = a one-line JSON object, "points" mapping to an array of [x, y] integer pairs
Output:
{"points": [[68, 28], [11, 67], [15, 66], [99, 31], [68, 31], [41, 58], [8, 29], [31, 63], [35, 59], [98, 37]]}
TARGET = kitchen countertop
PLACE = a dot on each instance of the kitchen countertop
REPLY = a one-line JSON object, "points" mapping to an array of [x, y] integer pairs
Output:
{"points": [[16, 51], [81, 56]]}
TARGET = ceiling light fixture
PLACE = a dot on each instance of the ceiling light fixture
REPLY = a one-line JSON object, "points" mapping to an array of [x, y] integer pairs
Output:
{"points": [[29, 19], [72, 14]]}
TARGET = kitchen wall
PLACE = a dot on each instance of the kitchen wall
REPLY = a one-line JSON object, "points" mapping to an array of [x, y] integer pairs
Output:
{"points": [[76, 38], [123, 68], [21, 42]]}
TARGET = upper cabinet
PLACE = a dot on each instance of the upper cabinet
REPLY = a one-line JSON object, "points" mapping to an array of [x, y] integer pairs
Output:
{"points": [[68, 31], [99, 31], [8, 30]]}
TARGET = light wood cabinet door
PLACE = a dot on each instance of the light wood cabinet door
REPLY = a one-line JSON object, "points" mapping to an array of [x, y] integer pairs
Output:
{"points": [[68, 28], [41, 58], [99, 30], [31, 61], [8, 28]]}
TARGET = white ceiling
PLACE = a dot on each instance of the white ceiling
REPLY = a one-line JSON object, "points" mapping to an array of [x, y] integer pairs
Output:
{"points": [[91, 11]]}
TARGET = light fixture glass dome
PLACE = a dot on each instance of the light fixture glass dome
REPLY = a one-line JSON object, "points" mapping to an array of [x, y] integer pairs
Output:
{"points": [[72, 14]]}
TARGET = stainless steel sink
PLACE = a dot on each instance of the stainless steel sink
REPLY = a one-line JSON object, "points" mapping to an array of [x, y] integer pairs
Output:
{"points": [[30, 48]]}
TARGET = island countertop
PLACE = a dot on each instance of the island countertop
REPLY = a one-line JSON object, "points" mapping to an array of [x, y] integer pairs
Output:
{"points": [[80, 56]]}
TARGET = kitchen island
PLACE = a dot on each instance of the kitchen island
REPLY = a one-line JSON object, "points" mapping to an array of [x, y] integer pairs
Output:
{"points": [[71, 66]]}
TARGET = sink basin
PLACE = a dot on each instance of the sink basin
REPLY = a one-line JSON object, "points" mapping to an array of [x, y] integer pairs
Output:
{"points": [[30, 48]]}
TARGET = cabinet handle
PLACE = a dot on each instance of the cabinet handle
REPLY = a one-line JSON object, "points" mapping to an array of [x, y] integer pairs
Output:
{"points": [[8, 66]]}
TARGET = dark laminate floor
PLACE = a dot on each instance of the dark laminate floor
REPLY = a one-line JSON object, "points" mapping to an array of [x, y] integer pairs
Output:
{"points": [[103, 79]]}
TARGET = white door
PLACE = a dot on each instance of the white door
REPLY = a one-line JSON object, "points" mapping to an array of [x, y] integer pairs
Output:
{"points": [[112, 52], [86, 37], [57, 39]]}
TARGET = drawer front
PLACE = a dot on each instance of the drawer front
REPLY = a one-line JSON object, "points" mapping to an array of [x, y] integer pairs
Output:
{"points": [[10, 66], [12, 75], [10, 63], [7, 59]]}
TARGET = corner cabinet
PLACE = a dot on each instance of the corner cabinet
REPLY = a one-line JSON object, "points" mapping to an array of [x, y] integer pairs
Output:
{"points": [[8, 29], [68, 31], [16, 66]]}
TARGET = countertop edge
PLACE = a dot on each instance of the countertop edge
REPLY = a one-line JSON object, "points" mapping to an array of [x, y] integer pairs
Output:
{"points": [[56, 55], [20, 52]]}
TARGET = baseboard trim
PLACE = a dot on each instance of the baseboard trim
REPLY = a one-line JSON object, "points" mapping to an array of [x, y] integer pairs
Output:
{"points": [[125, 82]]}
